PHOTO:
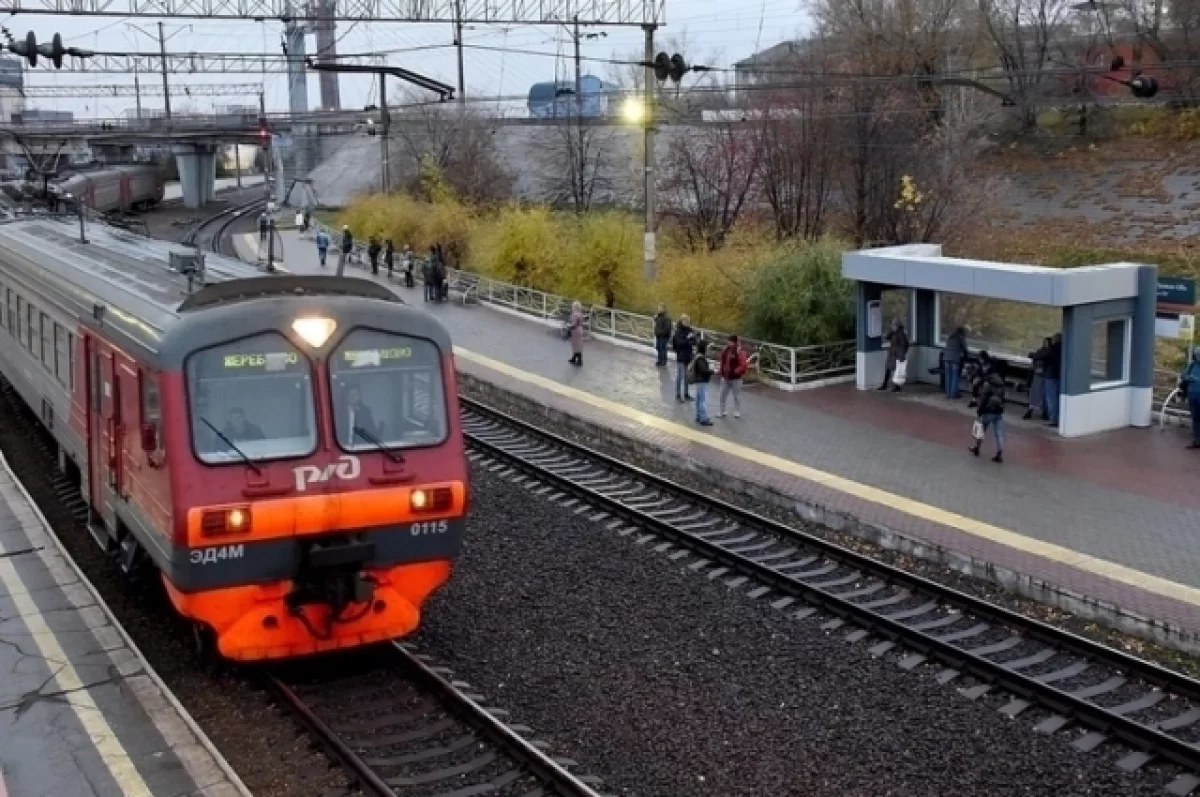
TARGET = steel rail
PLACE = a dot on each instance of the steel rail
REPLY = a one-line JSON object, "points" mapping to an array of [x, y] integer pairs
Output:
{"points": [[518, 747], [328, 739], [458, 703], [1137, 735]]}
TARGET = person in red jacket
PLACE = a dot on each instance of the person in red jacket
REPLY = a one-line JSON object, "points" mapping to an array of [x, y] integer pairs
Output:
{"points": [[734, 363]]}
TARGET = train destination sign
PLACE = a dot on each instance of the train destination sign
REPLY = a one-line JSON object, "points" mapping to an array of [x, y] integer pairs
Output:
{"points": [[267, 361], [366, 357]]}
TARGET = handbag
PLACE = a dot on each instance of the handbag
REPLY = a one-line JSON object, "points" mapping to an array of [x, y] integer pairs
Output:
{"points": [[977, 431], [900, 375]]}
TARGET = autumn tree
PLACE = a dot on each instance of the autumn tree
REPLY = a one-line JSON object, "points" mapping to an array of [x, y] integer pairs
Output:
{"points": [[795, 130], [579, 164], [708, 177], [1024, 35], [457, 140]]}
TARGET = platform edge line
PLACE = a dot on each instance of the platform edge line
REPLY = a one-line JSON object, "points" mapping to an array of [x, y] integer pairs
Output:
{"points": [[183, 713]]}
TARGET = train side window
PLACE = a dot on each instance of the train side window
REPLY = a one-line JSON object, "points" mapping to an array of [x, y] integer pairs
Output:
{"points": [[94, 381], [71, 362], [60, 354], [47, 343], [31, 335], [12, 312], [20, 323], [150, 407]]}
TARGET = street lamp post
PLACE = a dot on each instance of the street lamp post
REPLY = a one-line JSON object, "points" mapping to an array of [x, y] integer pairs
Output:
{"points": [[650, 253]]}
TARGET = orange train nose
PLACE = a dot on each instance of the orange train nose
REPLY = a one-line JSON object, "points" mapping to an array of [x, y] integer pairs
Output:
{"points": [[254, 623]]}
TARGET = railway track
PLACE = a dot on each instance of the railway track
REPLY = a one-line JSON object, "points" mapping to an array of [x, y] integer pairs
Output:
{"points": [[212, 233], [1092, 694], [404, 726]]}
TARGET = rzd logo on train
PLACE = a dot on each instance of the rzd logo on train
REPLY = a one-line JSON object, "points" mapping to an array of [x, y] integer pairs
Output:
{"points": [[346, 468]]}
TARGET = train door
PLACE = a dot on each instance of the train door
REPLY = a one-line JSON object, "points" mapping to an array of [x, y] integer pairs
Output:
{"points": [[104, 461]]}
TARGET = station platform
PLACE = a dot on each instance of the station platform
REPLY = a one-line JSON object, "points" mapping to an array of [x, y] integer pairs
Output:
{"points": [[1106, 526], [81, 713]]}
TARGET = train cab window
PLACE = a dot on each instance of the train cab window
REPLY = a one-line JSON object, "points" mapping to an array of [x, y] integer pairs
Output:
{"points": [[251, 399], [387, 392]]}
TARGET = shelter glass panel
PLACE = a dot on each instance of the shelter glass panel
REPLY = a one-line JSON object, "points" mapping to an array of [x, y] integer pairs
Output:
{"points": [[251, 399], [1110, 352], [1011, 329], [387, 392]]}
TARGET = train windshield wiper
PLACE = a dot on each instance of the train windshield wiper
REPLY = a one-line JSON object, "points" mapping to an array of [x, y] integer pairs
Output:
{"points": [[391, 452], [249, 462]]}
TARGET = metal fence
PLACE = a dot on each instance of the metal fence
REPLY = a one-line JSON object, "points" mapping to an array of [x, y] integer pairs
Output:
{"points": [[786, 367], [1164, 385]]}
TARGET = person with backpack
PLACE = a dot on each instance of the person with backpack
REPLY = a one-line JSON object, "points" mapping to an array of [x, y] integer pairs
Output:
{"points": [[322, 246], [699, 373], [991, 415], [734, 363], [373, 249], [683, 341], [662, 335], [1189, 384]]}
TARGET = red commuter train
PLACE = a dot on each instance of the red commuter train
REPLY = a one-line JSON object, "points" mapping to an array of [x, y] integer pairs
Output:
{"points": [[286, 451]]}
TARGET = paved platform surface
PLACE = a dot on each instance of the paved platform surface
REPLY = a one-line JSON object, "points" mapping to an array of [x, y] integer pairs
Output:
{"points": [[80, 713], [1113, 517]]}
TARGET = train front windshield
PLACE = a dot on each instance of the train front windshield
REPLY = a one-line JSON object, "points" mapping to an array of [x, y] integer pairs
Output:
{"points": [[387, 392], [251, 399]]}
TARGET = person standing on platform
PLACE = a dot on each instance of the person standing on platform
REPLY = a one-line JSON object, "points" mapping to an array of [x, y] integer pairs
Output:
{"points": [[373, 249], [443, 288], [684, 344], [897, 356], [662, 335], [699, 373], [347, 248], [389, 257], [991, 415], [406, 261], [1050, 379], [322, 246], [262, 228], [575, 333], [1189, 382], [429, 273], [1037, 385], [734, 363], [953, 357]]}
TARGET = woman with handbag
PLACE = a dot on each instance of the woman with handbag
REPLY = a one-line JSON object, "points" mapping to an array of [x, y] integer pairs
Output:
{"points": [[991, 415], [895, 369]]}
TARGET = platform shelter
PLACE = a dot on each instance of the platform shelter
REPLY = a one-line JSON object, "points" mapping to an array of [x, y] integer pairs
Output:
{"points": [[1107, 325]]}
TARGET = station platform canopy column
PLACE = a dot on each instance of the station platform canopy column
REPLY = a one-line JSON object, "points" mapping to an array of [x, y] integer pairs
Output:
{"points": [[1107, 324]]}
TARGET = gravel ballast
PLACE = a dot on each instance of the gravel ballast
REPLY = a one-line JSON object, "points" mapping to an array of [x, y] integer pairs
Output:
{"points": [[665, 682]]}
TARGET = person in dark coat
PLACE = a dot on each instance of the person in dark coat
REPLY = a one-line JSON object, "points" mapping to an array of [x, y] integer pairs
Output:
{"points": [[897, 353], [575, 329], [347, 248], [429, 273], [1037, 385], [991, 414], [662, 335], [1189, 383], [953, 357], [389, 257], [683, 341], [1052, 375], [700, 373], [373, 250]]}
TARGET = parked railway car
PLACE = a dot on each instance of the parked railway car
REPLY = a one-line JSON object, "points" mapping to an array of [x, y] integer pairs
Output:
{"points": [[284, 450], [121, 188]]}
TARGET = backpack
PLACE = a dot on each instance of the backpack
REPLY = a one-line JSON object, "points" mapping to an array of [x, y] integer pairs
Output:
{"points": [[693, 371]]}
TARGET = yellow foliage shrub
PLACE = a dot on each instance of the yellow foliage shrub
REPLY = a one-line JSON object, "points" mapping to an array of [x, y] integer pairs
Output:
{"points": [[603, 264], [520, 245]]}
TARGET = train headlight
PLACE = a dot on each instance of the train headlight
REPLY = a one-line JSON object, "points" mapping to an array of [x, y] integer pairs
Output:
{"points": [[439, 499], [314, 331], [216, 522]]}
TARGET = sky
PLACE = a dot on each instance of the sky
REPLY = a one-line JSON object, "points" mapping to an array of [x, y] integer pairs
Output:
{"points": [[714, 34]]}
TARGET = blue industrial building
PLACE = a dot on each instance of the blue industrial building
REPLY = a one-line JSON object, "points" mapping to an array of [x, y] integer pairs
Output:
{"points": [[555, 100]]}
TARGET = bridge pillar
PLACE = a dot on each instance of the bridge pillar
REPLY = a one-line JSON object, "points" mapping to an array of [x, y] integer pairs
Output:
{"points": [[197, 173]]}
